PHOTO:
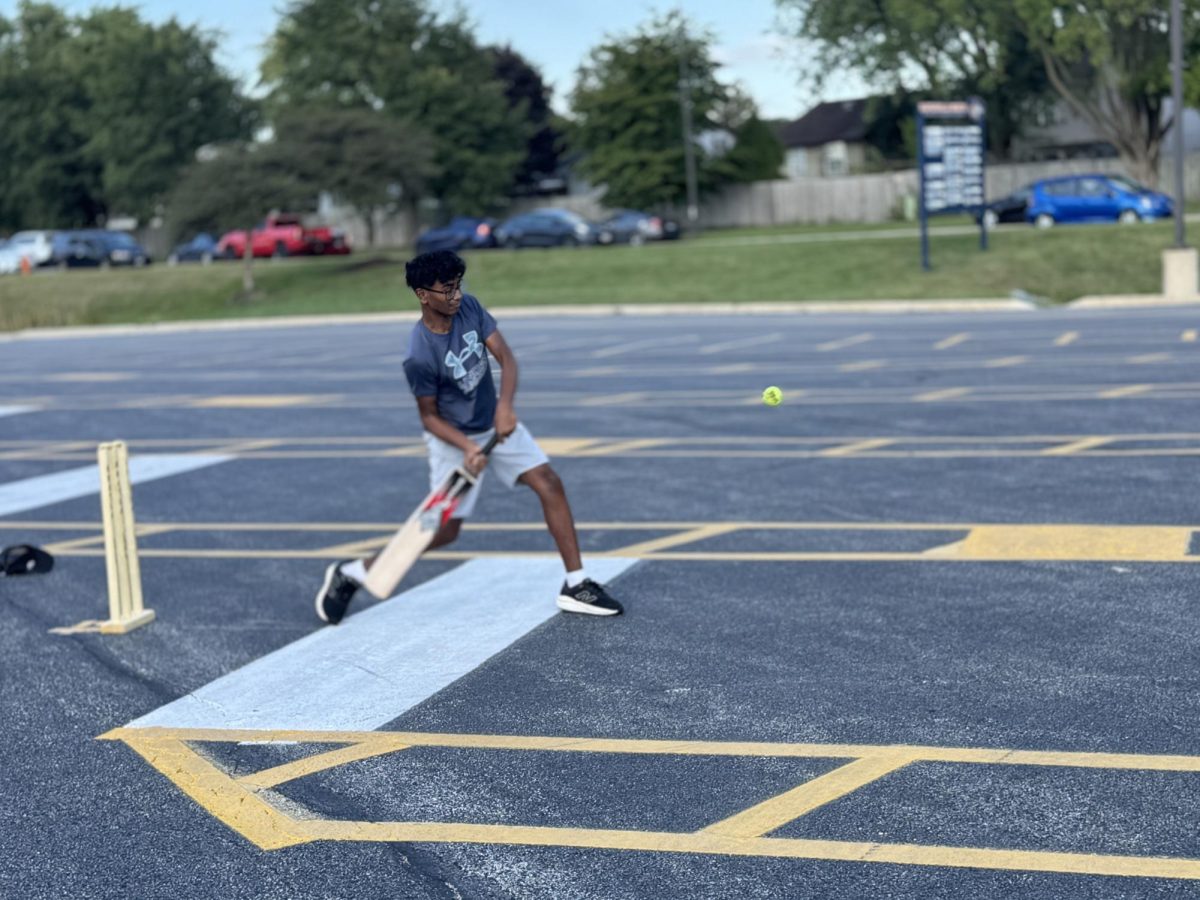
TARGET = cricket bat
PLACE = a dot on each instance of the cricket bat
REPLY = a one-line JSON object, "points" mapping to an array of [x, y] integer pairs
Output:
{"points": [[414, 537]]}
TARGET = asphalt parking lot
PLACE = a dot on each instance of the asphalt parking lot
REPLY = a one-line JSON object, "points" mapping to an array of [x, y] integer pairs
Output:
{"points": [[928, 628]]}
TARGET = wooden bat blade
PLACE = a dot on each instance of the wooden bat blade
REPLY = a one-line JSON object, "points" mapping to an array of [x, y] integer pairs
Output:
{"points": [[415, 536]]}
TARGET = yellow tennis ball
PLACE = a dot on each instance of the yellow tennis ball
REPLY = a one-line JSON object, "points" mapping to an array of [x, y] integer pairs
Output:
{"points": [[772, 396]]}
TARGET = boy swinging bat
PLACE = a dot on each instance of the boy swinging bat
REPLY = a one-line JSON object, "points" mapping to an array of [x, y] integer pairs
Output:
{"points": [[467, 427]]}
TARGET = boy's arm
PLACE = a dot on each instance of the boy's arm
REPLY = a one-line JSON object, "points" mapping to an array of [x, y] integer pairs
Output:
{"points": [[473, 458], [506, 416]]}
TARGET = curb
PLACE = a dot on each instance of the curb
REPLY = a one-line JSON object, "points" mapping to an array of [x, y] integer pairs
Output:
{"points": [[1130, 301], [820, 307]]}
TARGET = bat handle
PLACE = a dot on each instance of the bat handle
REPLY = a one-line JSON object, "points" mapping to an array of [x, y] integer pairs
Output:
{"points": [[492, 441]]}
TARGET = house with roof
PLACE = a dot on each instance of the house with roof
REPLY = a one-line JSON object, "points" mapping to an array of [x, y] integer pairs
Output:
{"points": [[827, 141]]}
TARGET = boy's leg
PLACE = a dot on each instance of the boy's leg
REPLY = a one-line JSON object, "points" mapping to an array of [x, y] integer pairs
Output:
{"points": [[561, 523], [586, 596], [343, 578]]}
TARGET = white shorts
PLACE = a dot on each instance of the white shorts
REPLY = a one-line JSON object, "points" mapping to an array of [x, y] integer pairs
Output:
{"points": [[510, 459]]}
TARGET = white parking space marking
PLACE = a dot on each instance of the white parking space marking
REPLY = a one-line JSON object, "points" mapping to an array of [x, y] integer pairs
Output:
{"points": [[44, 490], [14, 410], [380, 663]]}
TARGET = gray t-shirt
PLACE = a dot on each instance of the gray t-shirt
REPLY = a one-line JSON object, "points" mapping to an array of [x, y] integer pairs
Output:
{"points": [[454, 368]]}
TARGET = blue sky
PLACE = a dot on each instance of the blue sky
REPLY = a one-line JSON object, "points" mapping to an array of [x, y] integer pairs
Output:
{"points": [[555, 36]]}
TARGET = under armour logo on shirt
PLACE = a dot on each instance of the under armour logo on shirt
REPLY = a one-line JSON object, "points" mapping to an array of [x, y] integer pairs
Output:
{"points": [[473, 348]]}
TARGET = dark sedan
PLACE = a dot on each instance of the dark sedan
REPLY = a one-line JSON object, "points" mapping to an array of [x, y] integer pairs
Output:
{"points": [[631, 226], [119, 247], [1006, 209], [461, 233], [546, 228], [202, 248]]}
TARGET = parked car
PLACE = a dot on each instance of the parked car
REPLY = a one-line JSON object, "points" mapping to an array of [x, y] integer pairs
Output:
{"points": [[1006, 209], [79, 249], [119, 248], [283, 234], [10, 259], [1094, 198], [631, 226], [36, 246], [461, 233], [546, 228], [201, 248]]}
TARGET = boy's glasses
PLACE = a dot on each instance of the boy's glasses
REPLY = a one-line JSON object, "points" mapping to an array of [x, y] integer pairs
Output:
{"points": [[446, 292]]}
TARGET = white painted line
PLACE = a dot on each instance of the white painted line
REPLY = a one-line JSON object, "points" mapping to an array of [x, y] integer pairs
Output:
{"points": [[380, 663], [43, 490], [14, 410]]}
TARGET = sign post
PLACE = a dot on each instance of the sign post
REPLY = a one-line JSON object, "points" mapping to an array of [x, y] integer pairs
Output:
{"points": [[950, 163]]}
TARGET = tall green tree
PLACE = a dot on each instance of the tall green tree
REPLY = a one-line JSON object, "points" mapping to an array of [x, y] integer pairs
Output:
{"points": [[1110, 61], [627, 115], [936, 47], [101, 112], [528, 93], [373, 161], [1107, 59], [45, 178], [399, 58]]}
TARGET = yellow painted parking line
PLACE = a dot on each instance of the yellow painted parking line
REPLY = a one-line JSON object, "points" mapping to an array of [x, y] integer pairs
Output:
{"points": [[721, 447], [605, 448], [88, 377], [740, 343], [1129, 390], [320, 762], [1092, 542], [1189, 336], [979, 542], [1005, 362], [857, 447], [786, 807], [863, 366], [733, 369], [843, 343], [613, 399], [953, 341], [1076, 446], [1066, 338], [674, 540], [1145, 358], [247, 805], [945, 394], [262, 401]]}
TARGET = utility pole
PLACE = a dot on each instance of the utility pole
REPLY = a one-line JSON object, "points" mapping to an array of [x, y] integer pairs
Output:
{"points": [[685, 110]]}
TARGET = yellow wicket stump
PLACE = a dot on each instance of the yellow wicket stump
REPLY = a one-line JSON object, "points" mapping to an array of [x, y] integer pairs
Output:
{"points": [[125, 610]]}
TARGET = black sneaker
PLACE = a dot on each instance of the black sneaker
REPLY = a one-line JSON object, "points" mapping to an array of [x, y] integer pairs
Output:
{"points": [[588, 598], [335, 594]]}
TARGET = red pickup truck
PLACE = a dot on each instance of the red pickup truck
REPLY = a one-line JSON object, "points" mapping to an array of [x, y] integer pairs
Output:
{"points": [[283, 235]]}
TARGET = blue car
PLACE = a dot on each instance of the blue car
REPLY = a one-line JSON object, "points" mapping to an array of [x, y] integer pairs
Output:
{"points": [[462, 233], [202, 248], [1094, 198]]}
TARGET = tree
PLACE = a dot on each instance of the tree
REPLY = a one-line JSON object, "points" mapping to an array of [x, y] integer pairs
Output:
{"points": [[527, 92], [156, 94], [1110, 61], [373, 161], [101, 112], [627, 120], [396, 57], [1107, 59], [235, 189], [935, 47]]}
